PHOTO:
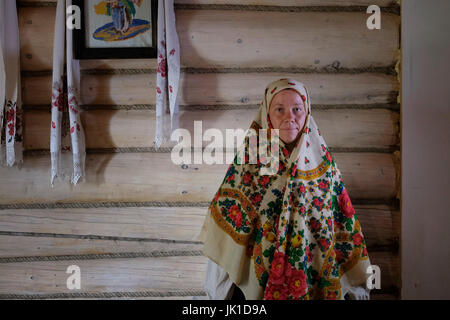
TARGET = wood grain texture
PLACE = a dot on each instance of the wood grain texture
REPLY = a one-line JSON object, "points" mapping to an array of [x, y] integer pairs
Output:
{"points": [[347, 128], [41, 246], [220, 88], [104, 275], [154, 177], [146, 225], [292, 39], [132, 275]]}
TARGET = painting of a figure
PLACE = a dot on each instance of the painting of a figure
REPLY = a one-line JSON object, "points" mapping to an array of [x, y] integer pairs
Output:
{"points": [[116, 29], [124, 25], [118, 23]]}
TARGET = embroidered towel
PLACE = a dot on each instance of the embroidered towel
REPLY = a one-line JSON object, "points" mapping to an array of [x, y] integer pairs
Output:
{"points": [[11, 149], [168, 73], [66, 132]]}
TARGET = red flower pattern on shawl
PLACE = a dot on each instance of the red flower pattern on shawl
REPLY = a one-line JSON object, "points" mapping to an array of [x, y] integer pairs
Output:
{"points": [[264, 181], [277, 272], [247, 179], [357, 239], [256, 199], [302, 189], [276, 292], [231, 178], [309, 254], [314, 225], [318, 203], [331, 295], [294, 170], [346, 205], [324, 185], [236, 215], [297, 282], [328, 155], [324, 244], [285, 280]]}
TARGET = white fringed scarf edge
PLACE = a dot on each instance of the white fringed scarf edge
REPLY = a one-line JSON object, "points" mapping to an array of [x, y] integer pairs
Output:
{"points": [[63, 44]]}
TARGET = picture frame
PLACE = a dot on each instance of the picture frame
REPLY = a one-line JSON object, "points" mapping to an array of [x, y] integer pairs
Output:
{"points": [[116, 29]]}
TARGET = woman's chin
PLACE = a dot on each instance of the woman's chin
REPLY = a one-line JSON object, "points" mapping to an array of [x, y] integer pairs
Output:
{"points": [[288, 139]]}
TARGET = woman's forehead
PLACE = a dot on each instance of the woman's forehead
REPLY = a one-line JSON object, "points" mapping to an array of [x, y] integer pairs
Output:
{"points": [[287, 95]]}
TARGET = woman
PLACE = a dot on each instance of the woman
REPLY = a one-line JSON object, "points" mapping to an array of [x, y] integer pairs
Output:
{"points": [[291, 235]]}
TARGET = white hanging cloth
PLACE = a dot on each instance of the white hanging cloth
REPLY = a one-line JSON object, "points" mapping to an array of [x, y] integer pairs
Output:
{"points": [[11, 149], [66, 131], [168, 73]]}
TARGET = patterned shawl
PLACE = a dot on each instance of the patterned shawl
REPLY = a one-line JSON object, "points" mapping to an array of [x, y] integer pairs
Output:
{"points": [[292, 235], [11, 115], [66, 131]]}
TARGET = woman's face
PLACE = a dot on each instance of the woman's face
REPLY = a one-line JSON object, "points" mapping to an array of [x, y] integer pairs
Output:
{"points": [[287, 113]]}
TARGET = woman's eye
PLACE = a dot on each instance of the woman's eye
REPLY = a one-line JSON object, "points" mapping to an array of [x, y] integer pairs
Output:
{"points": [[279, 109]]}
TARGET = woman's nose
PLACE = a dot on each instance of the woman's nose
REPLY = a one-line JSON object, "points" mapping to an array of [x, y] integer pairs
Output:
{"points": [[290, 116]]}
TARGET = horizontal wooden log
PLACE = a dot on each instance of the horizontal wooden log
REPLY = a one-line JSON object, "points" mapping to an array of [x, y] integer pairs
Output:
{"points": [[143, 224], [104, 275], [220, 88], [47, 246], [132, 275], [154, 177], [178, 223], [348, 128], [292, 39]]}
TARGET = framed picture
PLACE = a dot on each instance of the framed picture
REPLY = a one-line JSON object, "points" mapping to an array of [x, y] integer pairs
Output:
{"points": [[116, 29]]}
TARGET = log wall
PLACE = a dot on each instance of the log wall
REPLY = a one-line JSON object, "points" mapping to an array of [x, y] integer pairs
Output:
{"points": [[131, 226]]}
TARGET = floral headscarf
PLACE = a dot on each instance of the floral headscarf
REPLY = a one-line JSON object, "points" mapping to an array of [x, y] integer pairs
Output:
{"points": [[292, 235]]}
